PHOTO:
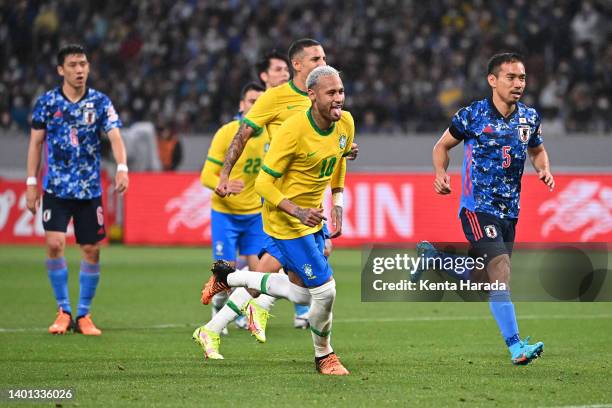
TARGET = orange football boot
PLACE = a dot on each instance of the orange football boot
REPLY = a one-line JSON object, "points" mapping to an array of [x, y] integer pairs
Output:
{"points": [[62, 323], [330, 365], [86, 326], [218, 281]]}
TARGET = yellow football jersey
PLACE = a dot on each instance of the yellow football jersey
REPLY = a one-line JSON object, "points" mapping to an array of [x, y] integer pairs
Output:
{"points": [[275, 106], [246, 168], [301, 163]]}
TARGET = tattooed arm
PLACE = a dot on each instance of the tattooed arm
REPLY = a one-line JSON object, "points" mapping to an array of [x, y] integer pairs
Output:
{"points": [[231, 157]]}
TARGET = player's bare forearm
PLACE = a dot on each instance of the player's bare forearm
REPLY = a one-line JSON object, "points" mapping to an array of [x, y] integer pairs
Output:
{"points": [[311, 217], [117, 146], [120, 155], [441, 160], [539, 160], [37, 139], [236, 148]]}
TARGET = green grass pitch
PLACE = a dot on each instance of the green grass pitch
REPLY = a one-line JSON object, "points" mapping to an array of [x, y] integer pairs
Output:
{"points": [[408, 354]]}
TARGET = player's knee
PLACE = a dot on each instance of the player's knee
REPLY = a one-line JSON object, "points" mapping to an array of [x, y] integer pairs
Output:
{"points": [[499, 269], [55, 247], [325, 295], [298, 294], [91, 253]]}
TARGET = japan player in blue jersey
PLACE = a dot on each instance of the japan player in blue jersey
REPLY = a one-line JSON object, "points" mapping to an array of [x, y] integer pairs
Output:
{"points": [[66, 126], [498, 134]]}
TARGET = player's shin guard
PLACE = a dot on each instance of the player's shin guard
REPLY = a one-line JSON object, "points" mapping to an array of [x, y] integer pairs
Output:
{"points": [[320, 317], [503, 311], [58, 276], [265, 301], [278, 285], [89, 277], [227, 313]]}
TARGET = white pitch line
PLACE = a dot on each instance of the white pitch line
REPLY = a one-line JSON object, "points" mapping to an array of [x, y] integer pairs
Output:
{"points": [[349, 320]]}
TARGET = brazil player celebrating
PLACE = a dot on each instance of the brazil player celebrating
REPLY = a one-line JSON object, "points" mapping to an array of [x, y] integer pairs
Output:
{"points": [[498, 134], [68, 120], [235, 220], [306, 155], [269, 112]]}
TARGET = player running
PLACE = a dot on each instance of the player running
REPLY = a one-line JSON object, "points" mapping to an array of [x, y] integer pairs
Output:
{"points": [[68, 120], [275, 106], [307, 154], [498, 134], [236, 220]]}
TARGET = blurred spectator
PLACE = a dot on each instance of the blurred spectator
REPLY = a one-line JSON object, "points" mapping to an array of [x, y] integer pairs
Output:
{"points": [[169, 147], [407, 65]]}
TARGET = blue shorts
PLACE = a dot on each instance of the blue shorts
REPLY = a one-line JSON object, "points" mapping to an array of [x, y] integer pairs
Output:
{"points": [[271, 248], [326, 233], [304, 256], [232, 233], [489, 236]]}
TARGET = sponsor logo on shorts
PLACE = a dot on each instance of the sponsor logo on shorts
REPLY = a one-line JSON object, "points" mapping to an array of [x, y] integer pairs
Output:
{"points": [[100, 214], [46, 215], [490, 231], [307, 268]]}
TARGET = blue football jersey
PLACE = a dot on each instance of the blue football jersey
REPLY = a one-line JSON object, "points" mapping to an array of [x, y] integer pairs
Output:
{"points": [[495, 149], [73, 148]]}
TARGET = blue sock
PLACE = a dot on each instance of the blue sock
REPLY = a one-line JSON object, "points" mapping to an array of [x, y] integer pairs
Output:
{"points": [[454, 265], [88, 279], [503, 311], [301, 309], [58, 276]]}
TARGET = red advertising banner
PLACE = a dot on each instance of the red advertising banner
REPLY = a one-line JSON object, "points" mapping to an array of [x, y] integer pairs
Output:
{"points": [[19, 226], [174, 208]]}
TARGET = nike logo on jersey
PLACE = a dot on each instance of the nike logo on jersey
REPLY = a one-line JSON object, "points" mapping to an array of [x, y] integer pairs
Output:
{"points": [[308, 155], [292, 106]]}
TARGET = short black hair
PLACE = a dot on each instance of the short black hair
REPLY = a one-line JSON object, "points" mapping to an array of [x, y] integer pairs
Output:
{"points": [[497, 60], [264, 64], [299, 45], [251, 86], [69, 49]]}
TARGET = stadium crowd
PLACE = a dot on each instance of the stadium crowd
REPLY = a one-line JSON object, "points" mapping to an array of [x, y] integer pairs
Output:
{"points": [[407, 65]]}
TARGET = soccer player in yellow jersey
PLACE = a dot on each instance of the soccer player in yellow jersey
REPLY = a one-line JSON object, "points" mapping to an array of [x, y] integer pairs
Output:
{"points": [[235, 220], [307, 154]]}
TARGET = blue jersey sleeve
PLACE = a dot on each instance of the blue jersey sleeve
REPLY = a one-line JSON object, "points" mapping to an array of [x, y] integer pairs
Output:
{"points": [[110, 118], [459, 124], [40, 114], [536, 138]]}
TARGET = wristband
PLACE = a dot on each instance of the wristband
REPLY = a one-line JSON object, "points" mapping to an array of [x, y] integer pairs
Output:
{"points": [[31, 181], [338, 199], [122, 167]]}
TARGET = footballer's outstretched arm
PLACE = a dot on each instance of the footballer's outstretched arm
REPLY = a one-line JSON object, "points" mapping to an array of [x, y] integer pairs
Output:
{"points": [[231, 157], [441, 160], [118, 148], [37, 139], [541, 164]]}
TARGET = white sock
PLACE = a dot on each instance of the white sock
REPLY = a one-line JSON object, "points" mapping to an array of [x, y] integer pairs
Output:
{"points": [[218, 301], [265, 301], [245, 279], [232, 308], [320, 317]]}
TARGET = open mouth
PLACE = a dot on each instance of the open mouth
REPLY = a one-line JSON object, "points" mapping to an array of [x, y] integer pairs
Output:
{"points": [[336, 110]]}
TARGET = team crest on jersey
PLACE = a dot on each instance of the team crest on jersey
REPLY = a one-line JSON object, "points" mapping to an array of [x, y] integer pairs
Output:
{"points": [[266, 147], [219, 248], [490, 231], [308, 271], [524, 132], [89, 116], [342, 141], [46, 215]]}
